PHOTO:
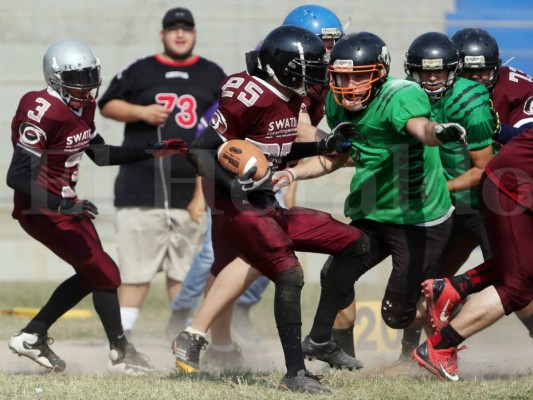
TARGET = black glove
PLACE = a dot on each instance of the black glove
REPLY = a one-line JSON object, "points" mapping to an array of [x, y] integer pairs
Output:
{"points": [[450, 132], [78, 208], [168, 148], [245, 183], [338, 140]]}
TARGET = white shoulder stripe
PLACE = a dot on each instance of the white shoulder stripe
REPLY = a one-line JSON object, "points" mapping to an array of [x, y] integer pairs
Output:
{"points": [[29, 149]]}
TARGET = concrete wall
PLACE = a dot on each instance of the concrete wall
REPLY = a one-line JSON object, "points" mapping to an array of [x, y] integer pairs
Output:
{"points": [[120, 31]]}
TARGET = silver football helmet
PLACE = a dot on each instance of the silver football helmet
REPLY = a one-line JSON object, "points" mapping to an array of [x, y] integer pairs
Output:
{"points": [[72, 70]]}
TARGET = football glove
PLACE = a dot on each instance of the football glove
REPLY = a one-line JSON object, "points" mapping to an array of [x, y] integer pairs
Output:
{"points": [[168, 148], [78, 208], [283, 178], [339, 139], [245, 183], [450, 132]]}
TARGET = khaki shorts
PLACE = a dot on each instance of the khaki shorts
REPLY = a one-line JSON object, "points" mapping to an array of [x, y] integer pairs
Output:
{"points": [[147, 244]]}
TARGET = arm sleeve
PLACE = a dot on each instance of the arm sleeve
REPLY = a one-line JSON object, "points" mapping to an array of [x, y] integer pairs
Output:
{"points": [[21, 178], [103, 154], [203, 155], [301, 150], [507, 132]]}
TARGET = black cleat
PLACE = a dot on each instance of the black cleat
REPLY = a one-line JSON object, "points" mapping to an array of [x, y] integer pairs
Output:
{"points": [[186, 347], [330, 352], [37, 348], [304, 381], [129, 361]]}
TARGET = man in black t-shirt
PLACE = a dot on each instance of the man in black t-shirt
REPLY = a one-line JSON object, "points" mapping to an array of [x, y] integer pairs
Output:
{"points": [[161, 218]]}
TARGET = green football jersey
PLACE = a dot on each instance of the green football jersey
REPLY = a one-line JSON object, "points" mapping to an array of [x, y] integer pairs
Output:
{"points": [[468, 104], [397, 178]]}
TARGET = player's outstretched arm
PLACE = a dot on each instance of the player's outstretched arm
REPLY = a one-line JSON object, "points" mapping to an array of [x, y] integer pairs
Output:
{"points": [[313, 167], [103, 154], [435, 134]]}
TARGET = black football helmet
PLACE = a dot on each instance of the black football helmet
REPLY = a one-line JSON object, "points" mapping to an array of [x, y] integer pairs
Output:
{"points": [[363, 54], [478, 50], [294, 58], [433, 51]]}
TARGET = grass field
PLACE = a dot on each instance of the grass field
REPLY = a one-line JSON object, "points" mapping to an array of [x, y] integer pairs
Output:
{"points": [[27, 382]]}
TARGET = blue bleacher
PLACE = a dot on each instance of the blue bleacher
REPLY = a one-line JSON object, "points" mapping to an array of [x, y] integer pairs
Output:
{"points": [[511, 23]]}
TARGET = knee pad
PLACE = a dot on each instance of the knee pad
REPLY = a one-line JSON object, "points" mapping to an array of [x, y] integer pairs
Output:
{"points": [[287, 308], [396, 313]]}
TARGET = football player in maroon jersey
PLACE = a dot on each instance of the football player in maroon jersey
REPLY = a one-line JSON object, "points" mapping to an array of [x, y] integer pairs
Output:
{"points": [[511, 92], [327, 26], [259, 105], [51, 130], [506, 203]]}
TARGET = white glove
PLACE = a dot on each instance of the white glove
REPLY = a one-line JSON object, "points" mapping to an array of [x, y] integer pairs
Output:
{"points": [[283, 178]]}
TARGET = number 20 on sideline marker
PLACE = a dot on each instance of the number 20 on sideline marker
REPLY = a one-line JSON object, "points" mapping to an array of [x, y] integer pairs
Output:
{"points": [[370, 331]]}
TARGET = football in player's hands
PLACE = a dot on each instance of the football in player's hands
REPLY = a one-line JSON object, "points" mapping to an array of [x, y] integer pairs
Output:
{"points": [[239, 157]]}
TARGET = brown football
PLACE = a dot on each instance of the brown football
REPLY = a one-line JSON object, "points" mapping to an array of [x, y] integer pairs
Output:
{"points": [[238, 156]]}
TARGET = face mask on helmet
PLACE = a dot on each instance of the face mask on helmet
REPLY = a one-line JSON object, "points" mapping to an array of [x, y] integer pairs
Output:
{"points": [[359, 65], [72, 70], [434, 89], [294, 58], [432, 51], [478, 50]]}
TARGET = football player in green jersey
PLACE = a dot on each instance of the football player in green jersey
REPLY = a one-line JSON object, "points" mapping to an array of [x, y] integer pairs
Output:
{"points": [[434, 63], [398, 195]]}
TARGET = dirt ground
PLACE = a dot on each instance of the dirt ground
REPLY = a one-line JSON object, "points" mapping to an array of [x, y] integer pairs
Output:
{"points": [[504, 349]]}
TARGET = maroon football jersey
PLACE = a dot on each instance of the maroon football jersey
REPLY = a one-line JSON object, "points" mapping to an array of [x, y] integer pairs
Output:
{"points": [[45, 126], [513, 97], [512, 169], [252, 109]]}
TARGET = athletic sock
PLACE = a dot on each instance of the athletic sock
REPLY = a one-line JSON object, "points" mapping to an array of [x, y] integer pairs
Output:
{"points": [[410, 341], [344, 338], [195, 331], [223, 348], [446, 338], [528, 323], [475, 279], [107, 307], [291, 342], [67, 295], [128, 316], [331, 301]]}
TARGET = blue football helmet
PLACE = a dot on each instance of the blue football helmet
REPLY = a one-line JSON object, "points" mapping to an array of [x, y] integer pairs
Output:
{"points": [[317, 19]]}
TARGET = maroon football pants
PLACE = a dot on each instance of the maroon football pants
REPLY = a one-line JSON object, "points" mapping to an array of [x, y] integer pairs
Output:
{"points": [[76, 242], [510, 230], [267, 239]]}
